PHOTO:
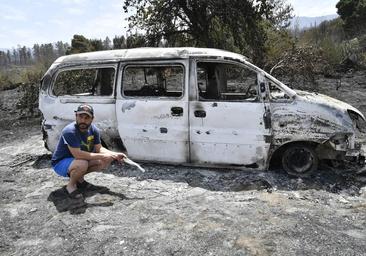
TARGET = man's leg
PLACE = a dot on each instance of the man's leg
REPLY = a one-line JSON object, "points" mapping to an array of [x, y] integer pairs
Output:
{"points": [[77, 170], [97, 165], [94, 166]]}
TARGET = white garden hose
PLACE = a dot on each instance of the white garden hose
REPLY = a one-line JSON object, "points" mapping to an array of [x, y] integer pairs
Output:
{"points": [[130, 162]]}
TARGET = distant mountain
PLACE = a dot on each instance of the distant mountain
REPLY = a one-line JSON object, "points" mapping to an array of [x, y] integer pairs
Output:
{"points": [[305, 22]]}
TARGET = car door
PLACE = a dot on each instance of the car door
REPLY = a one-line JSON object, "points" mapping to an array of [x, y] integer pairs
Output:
{"points": [[75, 85], [227, 118], [152, 110]]}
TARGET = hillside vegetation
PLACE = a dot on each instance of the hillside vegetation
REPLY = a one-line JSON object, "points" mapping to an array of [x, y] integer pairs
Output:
{"points": [[296, 56]]}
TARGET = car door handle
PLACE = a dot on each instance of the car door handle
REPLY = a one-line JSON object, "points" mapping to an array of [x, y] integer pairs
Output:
{"points": [[200, 113], [176, 111]]}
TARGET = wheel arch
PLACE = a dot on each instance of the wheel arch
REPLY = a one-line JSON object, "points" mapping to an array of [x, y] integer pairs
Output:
{"points": [[275, 156]]}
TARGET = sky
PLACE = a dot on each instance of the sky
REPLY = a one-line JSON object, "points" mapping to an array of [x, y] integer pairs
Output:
{"points": [[26, 22], [314, 8]]}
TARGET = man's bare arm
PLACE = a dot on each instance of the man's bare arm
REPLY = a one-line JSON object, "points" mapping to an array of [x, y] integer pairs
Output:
{"points": [[116, 155], [79, 154]]}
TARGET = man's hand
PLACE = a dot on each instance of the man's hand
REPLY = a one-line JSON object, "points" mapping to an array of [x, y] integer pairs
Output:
{"points": [[118, 156], [115, 155], [107, 157]]}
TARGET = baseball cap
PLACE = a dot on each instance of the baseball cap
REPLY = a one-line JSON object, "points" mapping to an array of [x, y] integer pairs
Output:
{"points": [[85, 109]]}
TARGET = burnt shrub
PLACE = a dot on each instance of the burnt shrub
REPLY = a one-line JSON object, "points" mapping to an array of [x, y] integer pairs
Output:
{"points": [[28, 101], [29, 91], [299, 67]]}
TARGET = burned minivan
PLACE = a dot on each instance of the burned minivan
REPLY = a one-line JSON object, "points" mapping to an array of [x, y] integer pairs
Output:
{"points": [[199, 106]]}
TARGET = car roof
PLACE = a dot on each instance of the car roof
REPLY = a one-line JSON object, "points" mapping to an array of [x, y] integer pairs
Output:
{"points": [[147, 53]]}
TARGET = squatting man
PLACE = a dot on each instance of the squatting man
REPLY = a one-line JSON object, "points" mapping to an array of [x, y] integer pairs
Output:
{"points": [[79, 152]]}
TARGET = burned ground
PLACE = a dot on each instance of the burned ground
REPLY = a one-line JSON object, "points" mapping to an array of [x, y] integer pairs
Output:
{"points": [[175, 210]]}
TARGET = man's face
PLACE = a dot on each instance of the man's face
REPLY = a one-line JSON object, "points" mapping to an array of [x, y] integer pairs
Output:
{"points": [[83, 121]]}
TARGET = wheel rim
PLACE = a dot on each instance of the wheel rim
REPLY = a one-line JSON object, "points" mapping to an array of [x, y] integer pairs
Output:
{"points": [[300, 160]]}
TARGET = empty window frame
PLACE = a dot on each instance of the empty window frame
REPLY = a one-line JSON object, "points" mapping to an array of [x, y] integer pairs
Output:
{"points": [[277, 94], [226, 82], [153, 81], [85, 82]]}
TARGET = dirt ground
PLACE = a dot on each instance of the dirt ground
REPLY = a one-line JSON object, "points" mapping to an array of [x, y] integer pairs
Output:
{"points": [[170, 210]]}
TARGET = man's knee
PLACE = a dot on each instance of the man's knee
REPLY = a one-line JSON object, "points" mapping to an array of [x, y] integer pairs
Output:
{"points": [[79, 165], [105, 164], [97, 165], [102, 164]]}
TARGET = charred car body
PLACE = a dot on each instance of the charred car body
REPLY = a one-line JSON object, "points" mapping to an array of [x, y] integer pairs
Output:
{"points": [[199, 106]]}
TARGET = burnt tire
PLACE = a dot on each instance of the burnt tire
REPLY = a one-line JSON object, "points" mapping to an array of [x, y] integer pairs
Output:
{"points": [[300, 160]]}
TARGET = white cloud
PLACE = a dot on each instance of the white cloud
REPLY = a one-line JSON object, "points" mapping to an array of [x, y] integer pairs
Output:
{"points": [[76, 1], [39, 24], [313, 8], [12, 14], [23, 33], [14, 17], [70, 2], [36, 3], [58, 22], [20, 37], [109, 24], [75, 11], [98, 21]]}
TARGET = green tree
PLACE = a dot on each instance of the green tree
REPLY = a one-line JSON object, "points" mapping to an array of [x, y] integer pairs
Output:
{"points": [[15, 57], [79, 44], [3, 59], [36, 52], [96, 45], [47, 54], [61, 48], [136, 40], [29, 56], [278, 44], [107, 43], [237, 25], [23, 55], [353, 13], [119, 42], [8, 55]]}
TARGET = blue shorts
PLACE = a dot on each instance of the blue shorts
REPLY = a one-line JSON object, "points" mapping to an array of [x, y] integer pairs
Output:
{"points": [[62, 167]]}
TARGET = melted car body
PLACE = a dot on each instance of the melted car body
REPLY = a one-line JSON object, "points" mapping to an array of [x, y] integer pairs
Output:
{"points": [[199, 106]]}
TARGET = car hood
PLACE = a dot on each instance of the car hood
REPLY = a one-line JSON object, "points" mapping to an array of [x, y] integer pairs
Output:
{"points": [[321, 99]]}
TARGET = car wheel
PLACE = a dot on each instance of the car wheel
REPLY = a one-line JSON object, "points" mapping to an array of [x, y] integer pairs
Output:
{"points": [[299, 160]]}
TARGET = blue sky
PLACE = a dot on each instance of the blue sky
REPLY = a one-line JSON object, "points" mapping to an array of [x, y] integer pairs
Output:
{"points": [[314, 8], [25, 22]]}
